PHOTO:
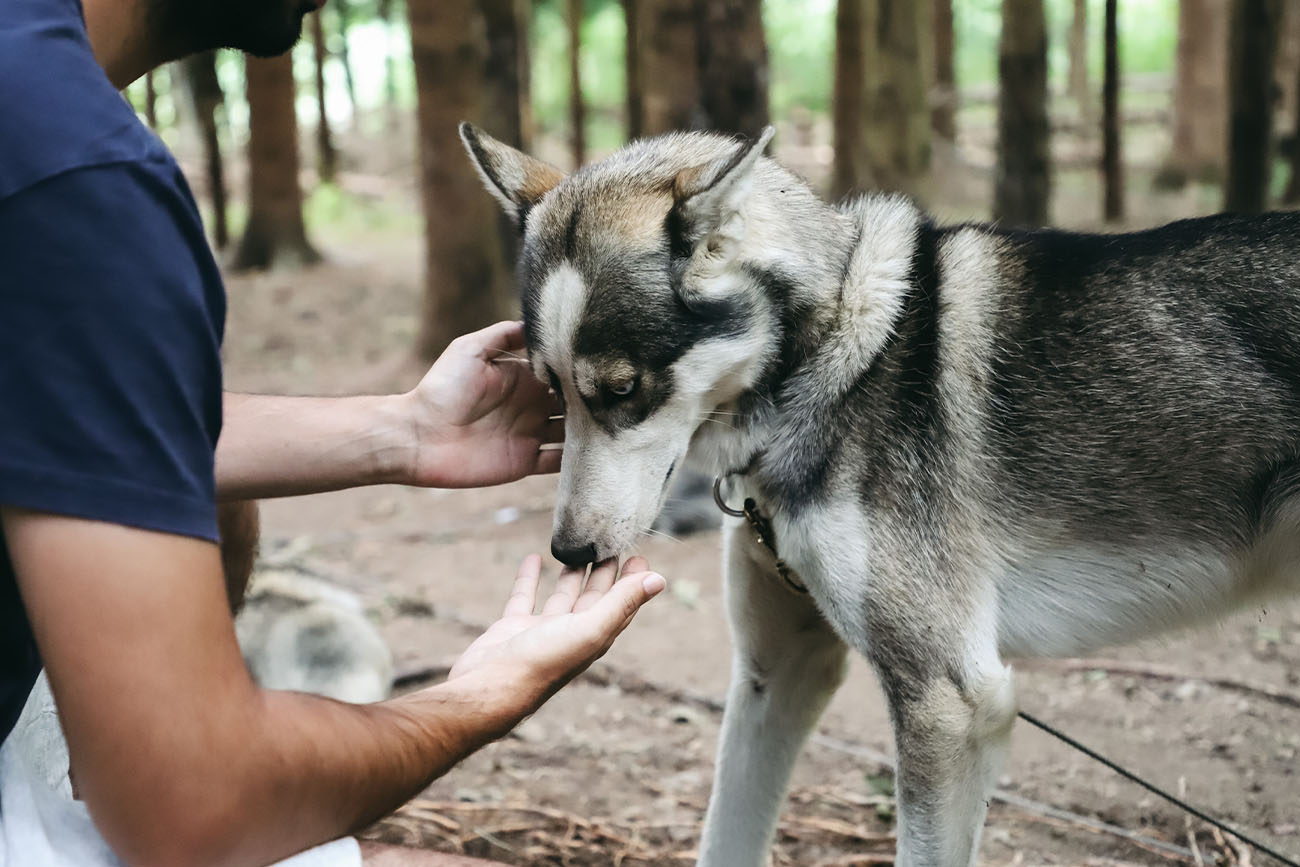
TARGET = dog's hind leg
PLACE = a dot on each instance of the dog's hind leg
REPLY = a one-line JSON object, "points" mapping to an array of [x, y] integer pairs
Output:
{"points": [[952, 726], [786, 666]]}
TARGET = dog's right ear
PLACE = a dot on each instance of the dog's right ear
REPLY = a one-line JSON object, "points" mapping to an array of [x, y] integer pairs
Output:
{"points": [[515, 179]]}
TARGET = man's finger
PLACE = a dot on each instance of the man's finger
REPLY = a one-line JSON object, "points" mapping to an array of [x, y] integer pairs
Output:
{"points": [[548, 461], [567, 590], [503, 337], [615, 610], [602, 578], [523, 597]]}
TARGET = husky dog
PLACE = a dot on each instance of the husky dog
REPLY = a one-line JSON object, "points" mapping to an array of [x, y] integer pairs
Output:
{"points": [[301, 633], [972, 444]]}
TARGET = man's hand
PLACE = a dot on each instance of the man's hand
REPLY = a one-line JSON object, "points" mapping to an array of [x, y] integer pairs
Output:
{"points": [[525, 657], [480, 417]]}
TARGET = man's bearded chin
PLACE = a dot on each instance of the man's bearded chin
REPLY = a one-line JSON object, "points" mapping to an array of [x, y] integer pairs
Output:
{"points": [[263, 28]]}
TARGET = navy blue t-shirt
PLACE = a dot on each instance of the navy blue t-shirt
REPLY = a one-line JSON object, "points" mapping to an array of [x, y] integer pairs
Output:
{"points": [[111, 312]]}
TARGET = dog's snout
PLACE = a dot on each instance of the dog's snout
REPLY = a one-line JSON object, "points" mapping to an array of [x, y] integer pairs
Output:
{"points": [[571, 555]]}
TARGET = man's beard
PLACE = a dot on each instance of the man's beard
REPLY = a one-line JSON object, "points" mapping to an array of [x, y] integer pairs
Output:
{"points": [[263, 28]]}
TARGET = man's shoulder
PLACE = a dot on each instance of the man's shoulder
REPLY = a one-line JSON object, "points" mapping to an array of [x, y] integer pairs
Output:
{"points": [[60, 111]]}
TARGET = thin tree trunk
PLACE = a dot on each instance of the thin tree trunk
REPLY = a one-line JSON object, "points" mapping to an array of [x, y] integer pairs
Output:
{"points": [[206, 100], [1292, 194], [467, 283], [733, 66], [343, 21], [327, 158], [1080, 90], [847, 175], [632, 71], [503, 94], [386, 15], [275, 234], [1111, 163], [1200, 128], [944, 114], [150, 101], [1254, 30], [524, 15], [1023, 185], [577, 109]]}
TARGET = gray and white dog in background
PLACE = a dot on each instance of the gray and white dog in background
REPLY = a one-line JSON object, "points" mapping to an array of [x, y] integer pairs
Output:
{"points": [[973, 444]]}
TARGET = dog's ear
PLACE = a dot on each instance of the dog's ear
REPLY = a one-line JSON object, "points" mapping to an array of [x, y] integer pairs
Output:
{"points": [[710, 198], [517, 180]]}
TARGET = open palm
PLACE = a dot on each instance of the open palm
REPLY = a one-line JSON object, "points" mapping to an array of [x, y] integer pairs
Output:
{"points": [[574, 628]]}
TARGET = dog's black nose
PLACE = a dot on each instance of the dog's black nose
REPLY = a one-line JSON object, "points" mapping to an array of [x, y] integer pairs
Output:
{"points": [[573, 557]]}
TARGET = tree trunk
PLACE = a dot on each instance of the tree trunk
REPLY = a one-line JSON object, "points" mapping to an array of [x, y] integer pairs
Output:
{"points": [[1111, 164], [667, 57], [343, 21], [386, 14], [150, 101], [1254, 36], [577, 109], [206, 99], [1080, 91], [1286, 66], [944, 113], [467, 283], [846, 107], [733, 66], [1023, 183], [274, 235], [503, 73], [632, 70], [1200, 135], [327, 157], [890, 148], [1292, 194]]}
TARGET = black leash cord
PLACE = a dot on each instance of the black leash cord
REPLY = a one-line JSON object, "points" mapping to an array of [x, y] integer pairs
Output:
{"points": [[1064, 738]]}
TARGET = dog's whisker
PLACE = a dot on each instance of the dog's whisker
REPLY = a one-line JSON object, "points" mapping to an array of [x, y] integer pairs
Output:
{"points": [[653, 532]]}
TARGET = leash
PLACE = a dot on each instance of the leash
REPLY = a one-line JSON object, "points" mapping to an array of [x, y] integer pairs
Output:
{"points": [[1156, 790], [762, 527]]}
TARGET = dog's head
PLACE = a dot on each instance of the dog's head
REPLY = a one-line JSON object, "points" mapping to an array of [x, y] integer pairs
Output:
{"points": [[639, 310]]}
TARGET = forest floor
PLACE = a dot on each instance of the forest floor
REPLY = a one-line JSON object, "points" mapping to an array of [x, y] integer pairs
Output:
{"points": [[616, 769]]}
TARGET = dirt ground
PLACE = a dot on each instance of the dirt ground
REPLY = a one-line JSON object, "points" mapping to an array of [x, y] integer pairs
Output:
{"points": [[616, 768]]}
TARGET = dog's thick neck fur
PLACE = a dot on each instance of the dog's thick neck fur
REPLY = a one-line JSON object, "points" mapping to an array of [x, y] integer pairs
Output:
{"points": [[828, 329]]}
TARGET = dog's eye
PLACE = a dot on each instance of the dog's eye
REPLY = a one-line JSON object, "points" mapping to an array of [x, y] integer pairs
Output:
{"points": [[622, 389]]}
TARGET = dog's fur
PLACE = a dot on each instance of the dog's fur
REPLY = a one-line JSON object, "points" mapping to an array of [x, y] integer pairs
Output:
{"points": [[974, 444]]}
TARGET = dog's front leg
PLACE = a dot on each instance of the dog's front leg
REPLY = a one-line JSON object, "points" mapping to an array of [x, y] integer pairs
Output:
{"points": [[953, 711], [786, 665]]}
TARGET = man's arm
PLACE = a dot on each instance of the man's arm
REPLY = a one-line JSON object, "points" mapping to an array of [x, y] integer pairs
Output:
{"points": [[479, 417], [182, 760]]}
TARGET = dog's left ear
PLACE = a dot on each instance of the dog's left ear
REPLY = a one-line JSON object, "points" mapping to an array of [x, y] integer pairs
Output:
{"points": [[710, 198]]}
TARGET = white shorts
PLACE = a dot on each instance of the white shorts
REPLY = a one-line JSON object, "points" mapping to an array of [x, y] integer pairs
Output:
{"points": [[41, 825]]}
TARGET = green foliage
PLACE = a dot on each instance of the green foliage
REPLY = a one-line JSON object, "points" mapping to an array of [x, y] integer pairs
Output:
{"points": [[603, 71]]}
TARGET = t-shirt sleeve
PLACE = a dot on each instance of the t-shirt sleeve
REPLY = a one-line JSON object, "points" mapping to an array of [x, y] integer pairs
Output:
{"points": [[110, 332]]}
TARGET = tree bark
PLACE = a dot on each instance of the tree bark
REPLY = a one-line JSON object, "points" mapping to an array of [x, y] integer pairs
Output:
{"points": [[150, 101], [577, 109], [1253, 45], [327, 157], [1111, 163], [275, 235], [733, 66], [890, 149], [1292, 194], [1080, 90], [1023, 185], [668, 75], [504, 93], [632, 70], [944, 113], [206, 100], [848, 99], [343, 20], [467, 283], [1200, 136]]}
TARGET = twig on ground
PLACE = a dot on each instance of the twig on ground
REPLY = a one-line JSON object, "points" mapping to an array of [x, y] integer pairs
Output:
{"points": [[1160, 672]]}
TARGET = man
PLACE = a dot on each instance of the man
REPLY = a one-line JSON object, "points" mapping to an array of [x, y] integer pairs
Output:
{"points": [[111, 313]]}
